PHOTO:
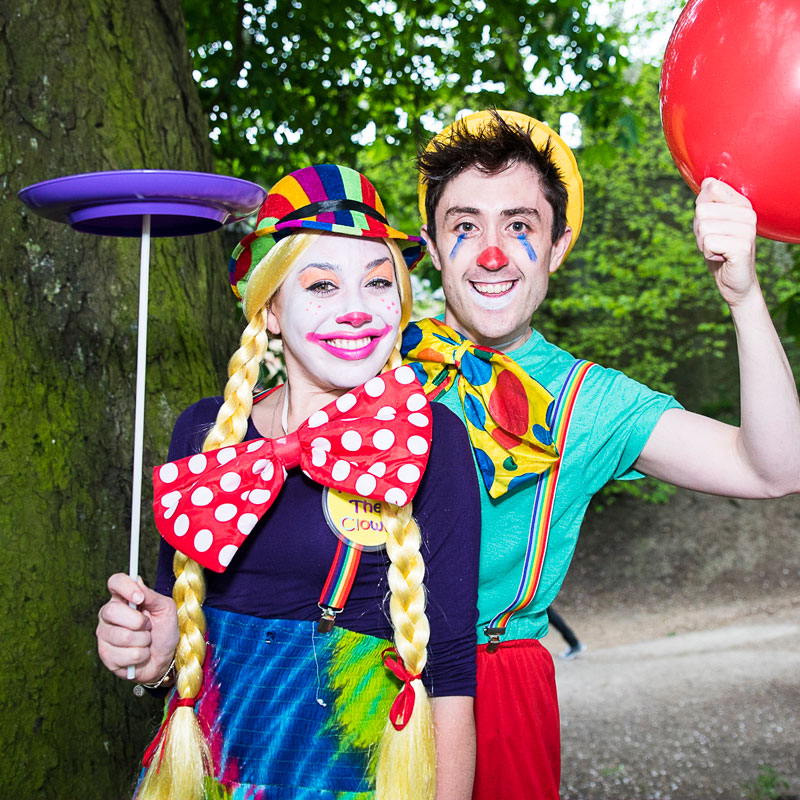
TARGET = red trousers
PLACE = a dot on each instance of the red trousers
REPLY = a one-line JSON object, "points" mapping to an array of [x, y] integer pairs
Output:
{"points": [[518, 729]]}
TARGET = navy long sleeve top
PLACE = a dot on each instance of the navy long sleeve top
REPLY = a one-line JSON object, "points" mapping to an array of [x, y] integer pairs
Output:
{"points": [[280, 569]]}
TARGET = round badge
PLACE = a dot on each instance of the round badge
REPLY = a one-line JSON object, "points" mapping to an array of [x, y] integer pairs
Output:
{"points": [[355, 520]]}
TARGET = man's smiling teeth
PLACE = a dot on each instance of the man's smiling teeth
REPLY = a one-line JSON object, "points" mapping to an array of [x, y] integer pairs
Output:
{"points": [[349, 344], [493, 288]]}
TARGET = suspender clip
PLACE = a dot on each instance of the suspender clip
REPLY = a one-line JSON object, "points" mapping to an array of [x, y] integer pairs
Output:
{"points": [[494, 635], [328, 618]]}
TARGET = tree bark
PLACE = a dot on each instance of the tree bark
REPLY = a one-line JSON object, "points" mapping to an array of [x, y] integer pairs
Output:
{"points": [[88, 85]]}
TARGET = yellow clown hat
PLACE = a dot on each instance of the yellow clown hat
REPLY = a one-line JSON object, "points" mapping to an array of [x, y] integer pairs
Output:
{"points": [[540, 135]]}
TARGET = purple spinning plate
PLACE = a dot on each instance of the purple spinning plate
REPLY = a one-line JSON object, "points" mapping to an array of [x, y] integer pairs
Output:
{"points": [[113, 203]]}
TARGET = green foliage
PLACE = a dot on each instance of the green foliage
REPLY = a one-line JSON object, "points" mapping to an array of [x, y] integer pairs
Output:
{"points": [[290, 82], [635, 294], [635, 275], [787, 295], [768, 786]]}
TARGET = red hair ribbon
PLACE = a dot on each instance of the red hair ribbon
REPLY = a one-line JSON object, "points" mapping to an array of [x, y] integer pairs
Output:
{"points": [[151, 750], [403, 705]]}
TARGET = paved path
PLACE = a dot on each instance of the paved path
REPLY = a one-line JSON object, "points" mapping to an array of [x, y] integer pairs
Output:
{"points": [[689, 716]]}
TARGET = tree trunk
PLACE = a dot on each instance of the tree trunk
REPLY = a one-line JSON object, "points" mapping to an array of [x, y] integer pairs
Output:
{"points": [[88, 85]]}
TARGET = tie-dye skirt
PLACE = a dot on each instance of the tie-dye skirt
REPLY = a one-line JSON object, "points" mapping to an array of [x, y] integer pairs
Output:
{"points": [[292, 714]]}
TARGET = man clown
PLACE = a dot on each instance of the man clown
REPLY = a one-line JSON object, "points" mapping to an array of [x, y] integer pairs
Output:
{"points": [[501, 199]]}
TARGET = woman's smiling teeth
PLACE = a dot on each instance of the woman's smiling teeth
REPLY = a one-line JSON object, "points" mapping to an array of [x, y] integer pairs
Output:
{"points": [[349, 344], [492, 288]]}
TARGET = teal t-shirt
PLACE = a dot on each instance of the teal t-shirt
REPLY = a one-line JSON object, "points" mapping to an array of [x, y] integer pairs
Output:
{"points": [[611, 422]]}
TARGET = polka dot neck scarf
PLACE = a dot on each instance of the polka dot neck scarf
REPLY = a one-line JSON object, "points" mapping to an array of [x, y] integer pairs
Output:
{"points": [[373, 441], [507, 413]]}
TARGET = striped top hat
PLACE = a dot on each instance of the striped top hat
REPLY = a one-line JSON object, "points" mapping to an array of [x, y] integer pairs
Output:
{"points": [[324, 197]]}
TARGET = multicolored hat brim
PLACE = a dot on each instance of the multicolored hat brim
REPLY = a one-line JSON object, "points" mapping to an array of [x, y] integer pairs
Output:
{"points": [[325, 198]]}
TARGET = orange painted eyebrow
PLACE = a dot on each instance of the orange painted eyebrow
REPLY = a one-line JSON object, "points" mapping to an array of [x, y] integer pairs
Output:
{"points": [[383, 269], [311, 273], [315, 272]]}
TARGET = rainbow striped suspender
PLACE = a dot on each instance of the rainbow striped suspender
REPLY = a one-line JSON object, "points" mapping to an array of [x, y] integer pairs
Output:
{"points": [[542, 508], [338, 585], [343, 569]]}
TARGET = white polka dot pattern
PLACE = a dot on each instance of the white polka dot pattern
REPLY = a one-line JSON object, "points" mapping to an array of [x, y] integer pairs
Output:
{"points": [[197, 463], [246, 523], [202, 496], [416, 402], [260, 496], [346, 402], [341, 469], [226, 554], [225, 455], [207, 504], [168, 473], [405, 375], [351, 441], [181, 525], [417, 445], [396, 496], [171, 500], [317, 419], [383, 439], [203, 540], [375, 387], [409, 473], [365, 485], [225, 512], [230, 481]]}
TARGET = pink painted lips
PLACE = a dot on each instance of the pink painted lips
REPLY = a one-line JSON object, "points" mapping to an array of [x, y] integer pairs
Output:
{"points": [[350, 346]]}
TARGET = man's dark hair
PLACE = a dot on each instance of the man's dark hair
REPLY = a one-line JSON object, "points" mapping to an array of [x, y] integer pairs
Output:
{"points": [[494, 147]]}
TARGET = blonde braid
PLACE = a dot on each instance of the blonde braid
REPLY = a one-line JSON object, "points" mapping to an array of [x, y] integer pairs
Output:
{"points": [[231, 425], [407, 758], [182, 760]]}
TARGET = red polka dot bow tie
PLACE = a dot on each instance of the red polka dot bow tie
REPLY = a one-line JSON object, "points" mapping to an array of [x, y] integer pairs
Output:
{"points": [[372, 441]]}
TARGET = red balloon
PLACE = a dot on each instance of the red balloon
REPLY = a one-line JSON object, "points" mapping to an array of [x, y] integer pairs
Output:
{"points": [[730, 103]]}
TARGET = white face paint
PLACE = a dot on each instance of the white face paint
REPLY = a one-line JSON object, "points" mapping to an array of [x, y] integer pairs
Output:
{"points": [[338, 312], [495, 252]]}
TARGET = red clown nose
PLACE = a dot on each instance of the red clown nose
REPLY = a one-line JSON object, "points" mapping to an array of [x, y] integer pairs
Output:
{"points": [[493, 258]]}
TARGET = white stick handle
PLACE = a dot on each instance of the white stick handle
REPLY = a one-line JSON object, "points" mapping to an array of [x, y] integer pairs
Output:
{"points": [[138, 429]]}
